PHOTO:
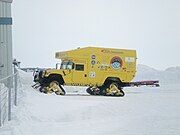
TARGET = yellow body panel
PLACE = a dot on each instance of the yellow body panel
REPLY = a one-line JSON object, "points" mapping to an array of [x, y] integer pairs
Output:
{"points": [[99, 64]]}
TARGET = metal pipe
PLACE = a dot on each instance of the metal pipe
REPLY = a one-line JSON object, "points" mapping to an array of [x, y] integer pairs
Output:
{"points": [[9, 99], [15, 86]]}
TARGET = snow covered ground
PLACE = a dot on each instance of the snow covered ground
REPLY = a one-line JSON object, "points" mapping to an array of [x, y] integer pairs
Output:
{"points": [[143, 111]]}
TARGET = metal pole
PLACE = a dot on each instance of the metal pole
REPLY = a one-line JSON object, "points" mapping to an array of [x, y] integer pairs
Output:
{"points": [[9, 99], [6, 50], [15, 86]]}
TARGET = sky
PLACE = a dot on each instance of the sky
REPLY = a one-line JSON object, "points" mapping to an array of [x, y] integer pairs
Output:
{"points": [[42, 27]]}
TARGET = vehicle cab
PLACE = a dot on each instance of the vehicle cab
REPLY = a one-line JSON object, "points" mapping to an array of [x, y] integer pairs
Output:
{"points": [[73, 72]]}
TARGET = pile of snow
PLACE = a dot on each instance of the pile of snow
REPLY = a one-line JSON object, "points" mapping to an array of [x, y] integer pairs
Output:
{"points": [[168, 76], [26, 77]]}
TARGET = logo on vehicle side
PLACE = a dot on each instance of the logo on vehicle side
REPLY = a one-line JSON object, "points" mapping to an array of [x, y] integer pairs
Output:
{"points": [[116, 62]]}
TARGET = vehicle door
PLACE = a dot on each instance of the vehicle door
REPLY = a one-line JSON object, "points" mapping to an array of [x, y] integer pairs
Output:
{"points": [[80, 73]]}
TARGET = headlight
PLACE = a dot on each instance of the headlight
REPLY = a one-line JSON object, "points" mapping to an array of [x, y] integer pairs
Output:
{"points": [[45, 73]]}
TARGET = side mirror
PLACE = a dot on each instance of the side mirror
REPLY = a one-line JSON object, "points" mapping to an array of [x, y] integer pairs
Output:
{"points": [[73, 66]]}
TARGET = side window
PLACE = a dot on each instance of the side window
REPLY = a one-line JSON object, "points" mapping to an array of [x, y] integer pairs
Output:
{"points": [[79, 67]]}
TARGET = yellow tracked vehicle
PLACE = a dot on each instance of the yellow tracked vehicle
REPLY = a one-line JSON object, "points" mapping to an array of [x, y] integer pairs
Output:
{"points": [[104, 70]]}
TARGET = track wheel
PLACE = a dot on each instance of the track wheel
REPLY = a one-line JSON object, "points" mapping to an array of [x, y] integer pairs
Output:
{"points": [[89, 91], [55, 87], [61, 91], [43, 89], [93, 90], [114, 90]]}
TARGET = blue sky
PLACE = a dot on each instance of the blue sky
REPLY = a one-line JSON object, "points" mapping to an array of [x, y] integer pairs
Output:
{"points": [[41, 28]]}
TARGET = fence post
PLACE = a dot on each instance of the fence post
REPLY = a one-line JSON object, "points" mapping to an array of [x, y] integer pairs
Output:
{"points": [[9, 99], [15, 86]]}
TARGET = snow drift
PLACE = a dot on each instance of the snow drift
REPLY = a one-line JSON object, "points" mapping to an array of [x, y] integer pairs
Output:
{"points": [[143, 111]]}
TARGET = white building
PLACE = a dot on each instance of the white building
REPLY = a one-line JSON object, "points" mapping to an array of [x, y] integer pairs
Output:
{"points": [[5, 38]]}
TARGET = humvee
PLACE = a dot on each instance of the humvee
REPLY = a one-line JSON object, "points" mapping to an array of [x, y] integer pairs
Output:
{"points": [[105, 71]]}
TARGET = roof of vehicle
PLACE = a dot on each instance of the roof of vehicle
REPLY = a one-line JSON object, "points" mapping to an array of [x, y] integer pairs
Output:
{"points": [[86, 51]]}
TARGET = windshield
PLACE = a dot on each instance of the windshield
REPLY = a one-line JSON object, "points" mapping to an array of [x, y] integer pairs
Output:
{"points": [[67, 65]]}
